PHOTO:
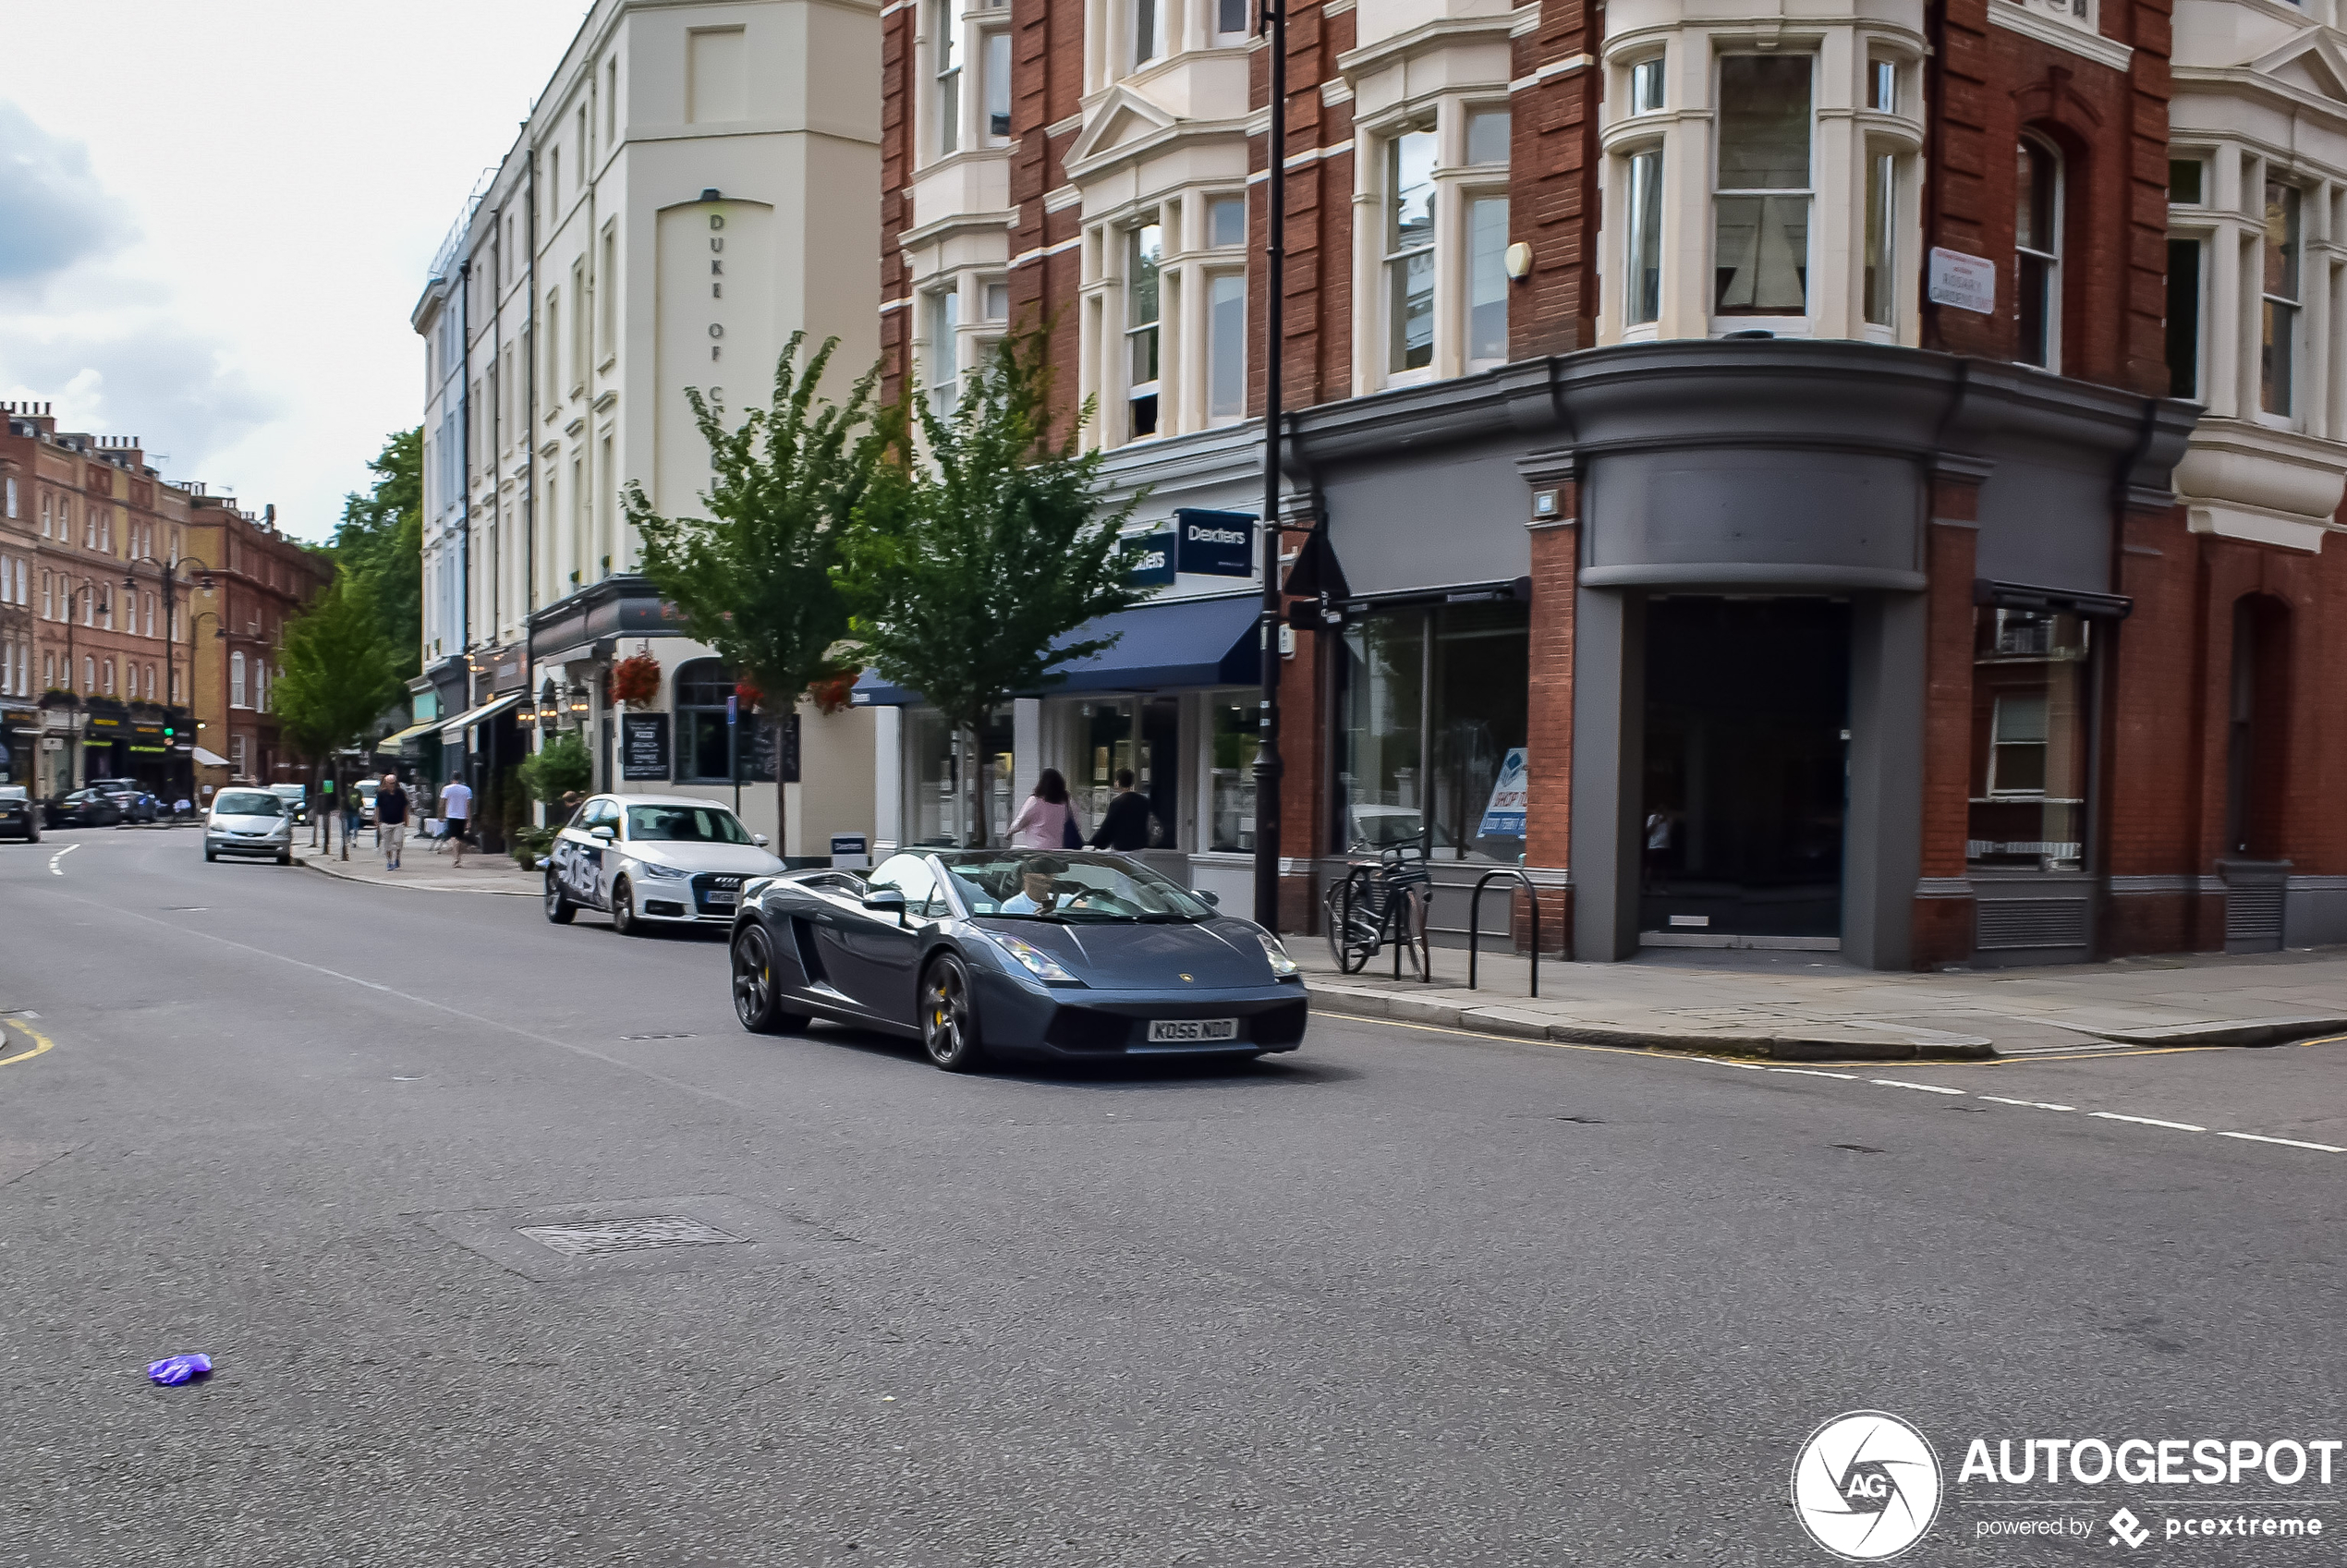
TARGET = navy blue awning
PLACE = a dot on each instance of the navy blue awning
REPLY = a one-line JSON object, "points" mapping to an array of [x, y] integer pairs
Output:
{"points": [[1172, 642]]}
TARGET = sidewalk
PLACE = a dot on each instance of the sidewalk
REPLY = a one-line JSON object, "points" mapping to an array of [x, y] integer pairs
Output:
{"points": [[1812, 1006], [421, 869]]}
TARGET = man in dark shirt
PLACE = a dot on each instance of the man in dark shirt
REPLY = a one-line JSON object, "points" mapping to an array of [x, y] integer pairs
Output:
{"points": [[390, 817], [1125, 824]]}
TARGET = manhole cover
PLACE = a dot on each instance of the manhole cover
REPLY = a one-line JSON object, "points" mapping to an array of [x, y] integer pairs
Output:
{"points": [[660, 1037], [598, 1237]]}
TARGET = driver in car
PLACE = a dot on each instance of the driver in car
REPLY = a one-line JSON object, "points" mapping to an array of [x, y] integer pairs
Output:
{"points": [[1039, 889]]}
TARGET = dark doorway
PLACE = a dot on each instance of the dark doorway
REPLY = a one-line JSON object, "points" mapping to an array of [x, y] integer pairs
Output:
{"points": [[1747, 704]]}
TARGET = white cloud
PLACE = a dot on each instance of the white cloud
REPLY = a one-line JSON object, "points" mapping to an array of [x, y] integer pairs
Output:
{"points": [[215, 219]]}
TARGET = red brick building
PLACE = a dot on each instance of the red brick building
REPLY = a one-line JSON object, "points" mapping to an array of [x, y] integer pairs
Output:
{"points": [[1868, 472], [259, 580], [108, 573]]}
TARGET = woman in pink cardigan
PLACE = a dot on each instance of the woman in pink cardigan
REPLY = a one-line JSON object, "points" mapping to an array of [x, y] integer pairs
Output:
{"points": [[1046, 820]]}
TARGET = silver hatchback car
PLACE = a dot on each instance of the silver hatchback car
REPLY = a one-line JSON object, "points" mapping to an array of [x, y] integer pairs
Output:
{"points": [[248, 822]]}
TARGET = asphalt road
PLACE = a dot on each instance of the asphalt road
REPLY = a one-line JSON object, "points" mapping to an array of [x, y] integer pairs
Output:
{"points": [[1408, 1297]]}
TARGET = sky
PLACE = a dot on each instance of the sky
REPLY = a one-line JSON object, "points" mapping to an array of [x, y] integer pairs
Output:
{"points": [[216, 215]]}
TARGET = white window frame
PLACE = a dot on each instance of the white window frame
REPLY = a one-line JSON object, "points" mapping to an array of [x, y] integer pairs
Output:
{"points": [[2293, 306], [2051, 259], [1154, 330], [1792, 323]]}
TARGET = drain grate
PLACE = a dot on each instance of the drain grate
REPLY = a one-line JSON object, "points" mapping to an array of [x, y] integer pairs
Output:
{"points": [[596, 1237]]}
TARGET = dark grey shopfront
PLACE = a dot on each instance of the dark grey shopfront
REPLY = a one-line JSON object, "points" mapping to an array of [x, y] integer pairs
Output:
{"points": [[1746, 648]]}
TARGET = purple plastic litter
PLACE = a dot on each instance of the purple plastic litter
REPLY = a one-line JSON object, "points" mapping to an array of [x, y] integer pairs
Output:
{"points": [[176, 1369]]}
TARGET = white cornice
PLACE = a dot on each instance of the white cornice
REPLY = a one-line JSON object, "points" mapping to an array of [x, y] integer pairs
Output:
{"points": [[1425, 36], [2017, 18]]}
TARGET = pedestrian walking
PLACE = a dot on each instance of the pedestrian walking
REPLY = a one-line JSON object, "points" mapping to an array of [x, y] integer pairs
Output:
{"points": [[1125, 824], [1047, 821], [456, 806], [349, 817], [391, 818]]}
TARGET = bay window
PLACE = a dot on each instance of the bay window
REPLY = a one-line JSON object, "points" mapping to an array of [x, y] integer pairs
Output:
{"points": [[946, 29], [942, 365], [1409, 251], [1226, 345], [2038, 254], [1149, 30], [2276, 367], [997, 69], [1760, 206], [1880, 274], [1642, 292]]}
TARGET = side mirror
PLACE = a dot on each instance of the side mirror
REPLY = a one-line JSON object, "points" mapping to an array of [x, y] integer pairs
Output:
{"points": [[757, 839], [886, 901], [1213, 899], [601, 833]]}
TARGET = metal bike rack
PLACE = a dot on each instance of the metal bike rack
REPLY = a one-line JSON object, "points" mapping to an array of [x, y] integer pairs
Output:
{"points": [[1475, 912]]}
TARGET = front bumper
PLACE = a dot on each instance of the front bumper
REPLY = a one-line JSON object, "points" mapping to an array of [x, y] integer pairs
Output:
{"points": [[225, 843], [687, 901], [1088, 1024]]}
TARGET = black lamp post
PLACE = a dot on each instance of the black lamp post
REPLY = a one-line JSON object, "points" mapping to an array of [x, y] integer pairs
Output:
{"points": [[1267, 756]]}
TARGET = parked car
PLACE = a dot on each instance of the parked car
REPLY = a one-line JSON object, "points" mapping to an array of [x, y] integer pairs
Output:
{"points": [[82, 809], [366, 789], [19, 814], [137, 804], [1075, 955], [653, 859], [248, 822], [297, 799]]}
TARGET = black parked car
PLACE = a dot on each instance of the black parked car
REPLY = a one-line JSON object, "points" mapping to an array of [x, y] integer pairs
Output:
{"points": [[19, 817], [82, 809], [976, 952]]}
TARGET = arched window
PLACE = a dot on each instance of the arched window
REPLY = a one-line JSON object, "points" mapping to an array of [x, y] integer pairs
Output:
{"points": [[2038, 254]]}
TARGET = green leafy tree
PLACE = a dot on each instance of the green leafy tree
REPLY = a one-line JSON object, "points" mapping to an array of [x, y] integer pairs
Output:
{"points": [[754, 579], [379, 542], [336, 676], [966, 575], [558, 767]]}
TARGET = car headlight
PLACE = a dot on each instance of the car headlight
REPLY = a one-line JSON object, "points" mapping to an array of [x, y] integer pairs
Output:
{"points": [[666, 873], [1281, 965], [1037, 962]]}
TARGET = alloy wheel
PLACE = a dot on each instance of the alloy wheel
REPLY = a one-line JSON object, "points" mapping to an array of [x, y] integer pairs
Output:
{"points": [[949, 1031]]}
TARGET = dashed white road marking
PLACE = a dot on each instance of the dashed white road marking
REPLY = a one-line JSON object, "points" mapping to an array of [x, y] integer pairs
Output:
{"points": [[55, 869], [2148, 1122], [2035, 1105]]}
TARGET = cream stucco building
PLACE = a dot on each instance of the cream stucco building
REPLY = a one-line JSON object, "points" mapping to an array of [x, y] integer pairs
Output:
{"points": [[698, 179]]}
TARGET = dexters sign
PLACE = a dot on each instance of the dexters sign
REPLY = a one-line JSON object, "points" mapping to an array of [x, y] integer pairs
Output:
{"points": [[1214, 544]]}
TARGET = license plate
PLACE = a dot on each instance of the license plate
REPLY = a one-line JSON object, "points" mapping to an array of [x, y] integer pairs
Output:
{"points": [[719, 895], [1182, 1031]]}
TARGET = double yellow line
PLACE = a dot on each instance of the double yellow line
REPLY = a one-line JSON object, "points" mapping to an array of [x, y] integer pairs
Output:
{"points": [[41, 1043]]}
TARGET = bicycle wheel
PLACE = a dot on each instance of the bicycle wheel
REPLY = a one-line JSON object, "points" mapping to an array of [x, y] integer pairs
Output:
{"points": [[1353, 928], [1409, 929]]}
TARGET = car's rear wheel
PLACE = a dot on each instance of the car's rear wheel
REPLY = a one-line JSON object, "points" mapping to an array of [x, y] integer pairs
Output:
{"points": [[949, 1018], [757, 999], [560, 910], [623, 910]]}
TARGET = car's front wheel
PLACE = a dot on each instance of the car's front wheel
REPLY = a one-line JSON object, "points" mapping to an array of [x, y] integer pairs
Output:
{"points": [[623, 910], [756, 1000], [949, 1018], [560, 910]]}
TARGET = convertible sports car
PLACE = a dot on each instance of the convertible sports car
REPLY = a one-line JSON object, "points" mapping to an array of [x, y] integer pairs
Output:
{"points": [[1068, 955]]}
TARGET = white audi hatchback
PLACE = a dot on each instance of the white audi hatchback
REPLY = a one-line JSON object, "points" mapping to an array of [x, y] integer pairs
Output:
{"points": [[653, 859]]}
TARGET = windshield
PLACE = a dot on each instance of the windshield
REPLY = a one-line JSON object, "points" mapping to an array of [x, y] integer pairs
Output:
{"points": [[249, 803], [289, 792], [1073, 888], [684, 824], [12, 792]]}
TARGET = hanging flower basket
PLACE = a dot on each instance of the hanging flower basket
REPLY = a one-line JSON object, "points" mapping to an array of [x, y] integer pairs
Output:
{"points": [[635, 678], [749, 695], [835, 695]]}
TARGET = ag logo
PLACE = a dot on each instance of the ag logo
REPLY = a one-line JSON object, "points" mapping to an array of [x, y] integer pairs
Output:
{"points": [[1866, 1486]]}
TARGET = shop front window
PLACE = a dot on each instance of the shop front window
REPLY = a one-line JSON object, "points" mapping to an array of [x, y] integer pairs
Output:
{"points": [[1102, 738], [1433, 701], [942, 773], [2029, 718], [1234, 735]]}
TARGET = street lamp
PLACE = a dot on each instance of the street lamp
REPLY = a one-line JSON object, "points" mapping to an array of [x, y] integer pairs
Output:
{"points": [[549, 707], [580, 704], [1267, 755], [167, 575]]}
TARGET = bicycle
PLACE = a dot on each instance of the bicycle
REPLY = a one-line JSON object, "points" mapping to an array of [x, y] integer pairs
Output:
{"points": [[1381, 903]]}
